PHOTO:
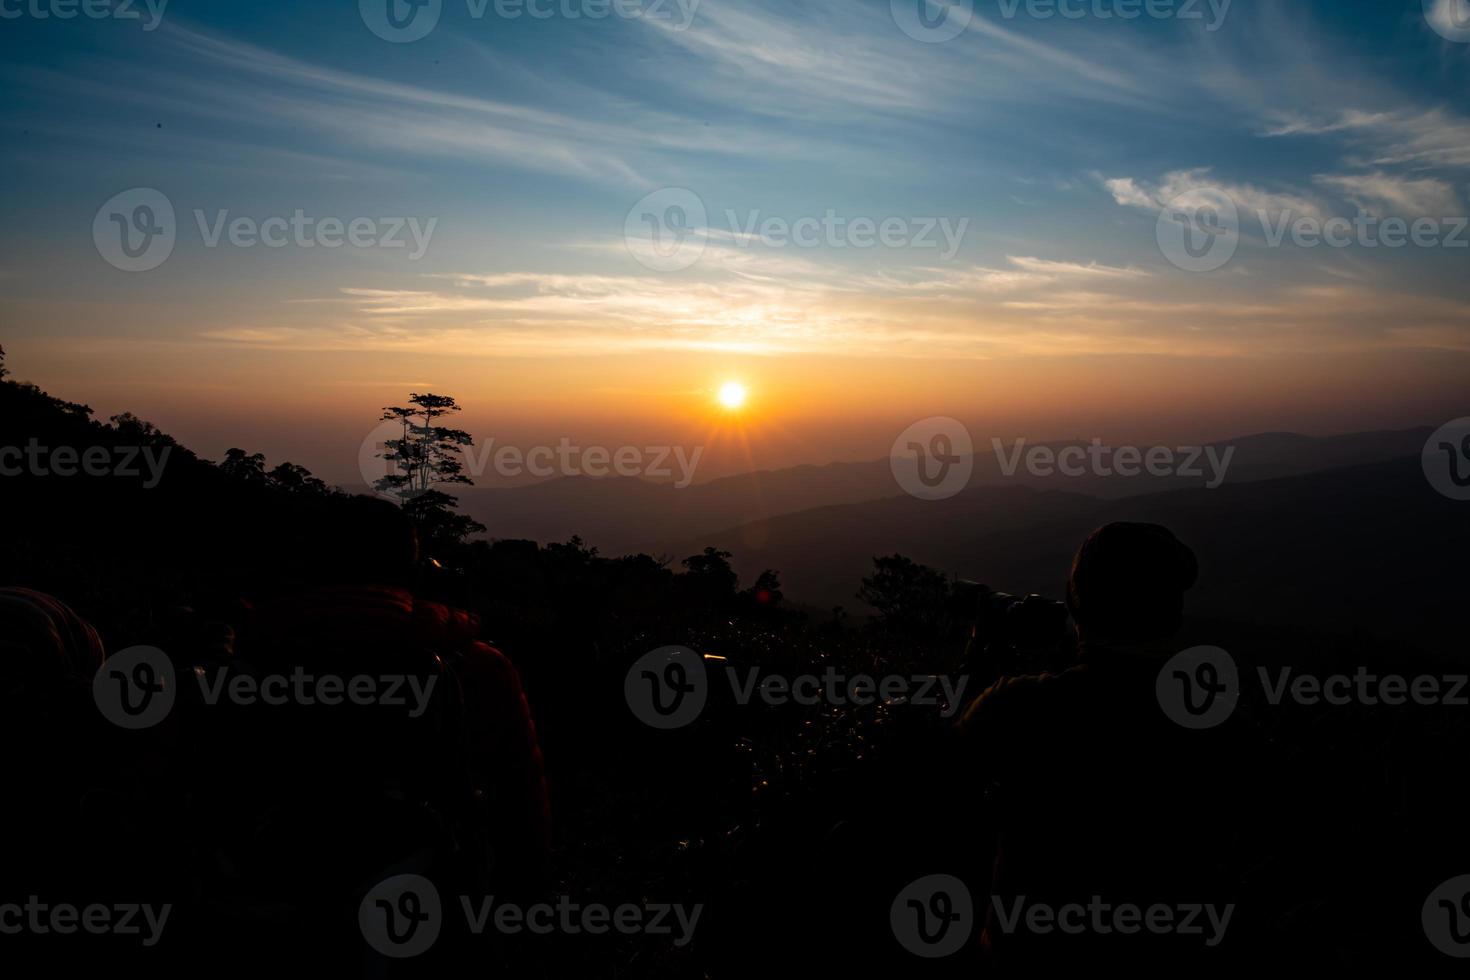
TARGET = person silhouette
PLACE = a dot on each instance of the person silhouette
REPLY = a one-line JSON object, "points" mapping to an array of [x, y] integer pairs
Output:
{"points": [[449, 784], [1099, 797]]}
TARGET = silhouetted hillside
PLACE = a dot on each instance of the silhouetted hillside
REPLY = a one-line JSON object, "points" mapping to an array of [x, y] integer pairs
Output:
{"points": [[1292, 550]]}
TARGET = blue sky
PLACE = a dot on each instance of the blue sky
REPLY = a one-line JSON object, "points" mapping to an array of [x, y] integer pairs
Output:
{"points": [[527, 140]]}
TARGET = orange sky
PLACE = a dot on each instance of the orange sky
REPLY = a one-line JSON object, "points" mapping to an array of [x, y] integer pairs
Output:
{"points": [[315, 408]]}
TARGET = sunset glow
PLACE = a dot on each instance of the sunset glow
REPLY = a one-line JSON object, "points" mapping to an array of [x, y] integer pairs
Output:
{"points": [[732, 395], [674, 217]]}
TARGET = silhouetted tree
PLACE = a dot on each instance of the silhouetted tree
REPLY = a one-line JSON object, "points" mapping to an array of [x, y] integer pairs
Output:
{"points": [[712, 566], [767, 588], [907, 596], [425, 456], [240, 465], [140, 431], [708, 582], [296, 479]]}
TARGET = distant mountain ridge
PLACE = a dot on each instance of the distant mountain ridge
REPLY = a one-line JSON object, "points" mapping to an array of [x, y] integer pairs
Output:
{"points": [[1290, 550], [622, 514]]}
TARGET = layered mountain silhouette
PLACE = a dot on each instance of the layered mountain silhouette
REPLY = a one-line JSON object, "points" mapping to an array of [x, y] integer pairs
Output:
{"points": [[621, 514], [1292, 550]]}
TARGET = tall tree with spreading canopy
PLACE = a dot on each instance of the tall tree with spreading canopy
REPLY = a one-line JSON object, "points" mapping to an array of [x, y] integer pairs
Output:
{"points": [[426, 455]]}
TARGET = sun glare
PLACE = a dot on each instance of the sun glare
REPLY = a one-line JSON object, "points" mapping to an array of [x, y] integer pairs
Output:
{"points": [[732, 394]]}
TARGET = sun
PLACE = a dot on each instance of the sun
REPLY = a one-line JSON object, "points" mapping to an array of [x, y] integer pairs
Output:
{"points": [[732, 395]]}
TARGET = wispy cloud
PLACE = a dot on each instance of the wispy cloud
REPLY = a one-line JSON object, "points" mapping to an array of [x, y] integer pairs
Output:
{"points": [[1415, 138], [1032, 306], [1385, 195], [1156, 195]]}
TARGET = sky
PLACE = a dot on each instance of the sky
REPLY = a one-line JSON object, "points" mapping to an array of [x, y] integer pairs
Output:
{"points": [[582, 218]]}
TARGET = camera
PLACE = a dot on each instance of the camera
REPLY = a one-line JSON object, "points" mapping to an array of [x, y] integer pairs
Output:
{"points": [[1012, 634]]}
